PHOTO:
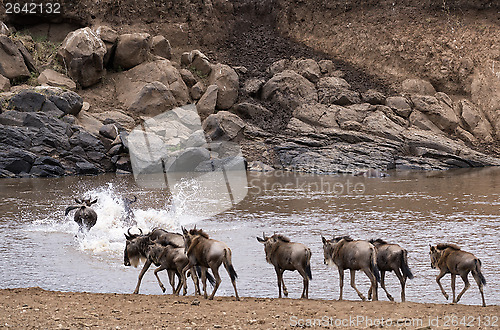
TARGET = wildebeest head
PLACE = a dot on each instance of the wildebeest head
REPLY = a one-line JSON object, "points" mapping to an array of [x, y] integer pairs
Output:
{"points": [[191, 234], [271, 243], [329, 248], [135, 248], [436, 252]]}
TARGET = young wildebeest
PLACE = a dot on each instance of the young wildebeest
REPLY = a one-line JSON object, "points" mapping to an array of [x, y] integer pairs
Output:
{"points": [[448, 258], [392, 257], [137, 246], [208, 253], [285, 255], [346, 253], [171, 258], [129, 218], [85, 217]]}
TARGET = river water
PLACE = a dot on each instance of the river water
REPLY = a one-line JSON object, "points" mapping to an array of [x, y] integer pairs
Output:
{"points": [[39, 246]]}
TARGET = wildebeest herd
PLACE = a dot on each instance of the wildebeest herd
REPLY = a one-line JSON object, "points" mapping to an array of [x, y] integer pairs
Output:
{"points": [[193, 253]]}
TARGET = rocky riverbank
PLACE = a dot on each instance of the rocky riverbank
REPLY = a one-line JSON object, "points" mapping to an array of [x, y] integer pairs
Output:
{"points": [[70, 111]]}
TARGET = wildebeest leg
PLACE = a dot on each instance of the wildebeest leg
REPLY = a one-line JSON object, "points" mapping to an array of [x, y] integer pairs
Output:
{"points": [[402, 280], [438, 280], [341, 282], [215, 271], [180, 284], [159, 269], [467, 285], [453, 278], [171, 279], [143, 271], [204, 281], [382, 284], [285, 290], [480, 286], [196, 282], [233, 280], [353, 284], [279, 275], [305, 291], [184, 271]]}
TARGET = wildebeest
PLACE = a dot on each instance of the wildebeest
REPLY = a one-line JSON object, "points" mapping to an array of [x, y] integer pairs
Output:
{"points": [[137, 246], [170, 258], [129, 218], [85, 217], [449, 258], [392, 257], [346, 253], [208, 253], [286, 255]]}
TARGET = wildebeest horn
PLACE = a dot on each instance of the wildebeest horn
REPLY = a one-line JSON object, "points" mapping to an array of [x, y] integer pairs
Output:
{"points": [[135, 199], [78, 201], [140, 230], [93, 202], [263, 235], [128, 232], [194, 227]]}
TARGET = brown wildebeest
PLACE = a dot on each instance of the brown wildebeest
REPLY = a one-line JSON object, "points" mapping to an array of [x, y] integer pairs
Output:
{"points": [[171, 258], [137, 245], [392, 257], [208, 253], [449, 258], [285, 255], [346, 253], [85, 217]]}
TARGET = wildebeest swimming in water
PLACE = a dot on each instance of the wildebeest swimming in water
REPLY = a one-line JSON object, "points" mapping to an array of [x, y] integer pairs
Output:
{"points": [[392, 257], [208, 253], [129, 218], [449, 258], [286, 255], [347, 253], [85, 216]]}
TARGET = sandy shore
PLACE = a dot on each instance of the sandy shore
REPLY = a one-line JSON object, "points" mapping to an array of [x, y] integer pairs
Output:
{"points": [[37, 308]]}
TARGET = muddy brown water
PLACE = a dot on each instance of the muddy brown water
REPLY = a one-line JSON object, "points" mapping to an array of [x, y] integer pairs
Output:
{"points": [[415, 209]]}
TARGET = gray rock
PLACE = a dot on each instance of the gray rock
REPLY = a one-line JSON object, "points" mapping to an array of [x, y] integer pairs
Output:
{"points": [[12, 61], [28, 101], [317, 114], [197, 91], [188, 160], [161, 47], [227, 81], [12, 118], [86, 168], [373, 97], [253, 86], [82, 52], [132, 49], [400, 105], [326, 66], [247, 110], [438, 111], [207, 103], [200, 63], [417, 86], [109, 131], [223, 126], [16, 160], [4, 84], [308, 68], [289, 90], [52, 78], [333, 90], [68, 102], [188, 77]]}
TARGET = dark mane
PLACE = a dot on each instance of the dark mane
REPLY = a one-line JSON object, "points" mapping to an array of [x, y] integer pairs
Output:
{"points": [[378, 240], [199, 232], [444, 246], [282, 238], [346, 238]]}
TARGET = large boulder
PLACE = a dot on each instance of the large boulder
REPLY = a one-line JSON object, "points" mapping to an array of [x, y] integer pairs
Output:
{"points": [[289, 89], [82, 53], [223, 125], [400, 105], [161, 47], [153, 99], [4, 29], [12, 59], [417, 86], [199, 62], [474, 121], [252, 111], [132, 49], [317, 114], [124, 120], [308, 68], [131, 85], [334, 90], [206, 104], [228, 82], [109, 37], [438, 109], [52, 78]]}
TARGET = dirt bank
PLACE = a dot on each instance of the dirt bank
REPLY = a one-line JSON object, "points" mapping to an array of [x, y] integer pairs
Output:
{"points": [[37, 308]]}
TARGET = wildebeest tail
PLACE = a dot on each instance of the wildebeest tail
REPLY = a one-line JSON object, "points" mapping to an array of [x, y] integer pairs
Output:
{"points": [[210, 277], [308, 265], [404, 265], [373, 265], [477, 270], [229, 265]]}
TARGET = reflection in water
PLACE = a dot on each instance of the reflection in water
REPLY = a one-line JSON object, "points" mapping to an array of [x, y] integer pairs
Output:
{"points": [[413, 209]]}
